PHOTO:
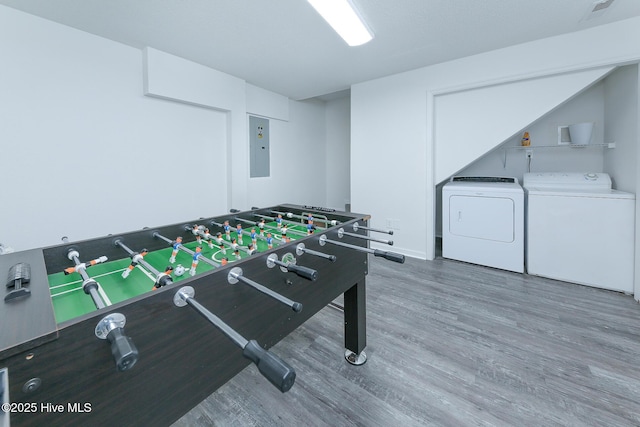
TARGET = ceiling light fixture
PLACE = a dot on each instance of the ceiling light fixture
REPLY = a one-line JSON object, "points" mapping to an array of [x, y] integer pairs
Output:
{"points": [[344, 19]]}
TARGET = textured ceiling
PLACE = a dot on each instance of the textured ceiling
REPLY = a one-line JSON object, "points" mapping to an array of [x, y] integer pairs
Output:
{"points": [[285, 47]]}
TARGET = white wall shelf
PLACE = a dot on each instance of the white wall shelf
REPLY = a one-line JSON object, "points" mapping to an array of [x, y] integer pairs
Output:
{"points": [[537, 147]]}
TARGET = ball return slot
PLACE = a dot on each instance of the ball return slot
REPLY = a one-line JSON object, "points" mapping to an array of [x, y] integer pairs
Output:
{"points": [[274, 369], [391, 256]]}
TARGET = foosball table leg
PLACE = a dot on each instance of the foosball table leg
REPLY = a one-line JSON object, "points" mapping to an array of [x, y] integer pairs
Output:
{"points": [[355, 324]]}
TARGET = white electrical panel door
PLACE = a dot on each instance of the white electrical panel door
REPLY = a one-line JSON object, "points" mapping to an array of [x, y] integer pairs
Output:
{"points": [[259, 147]]}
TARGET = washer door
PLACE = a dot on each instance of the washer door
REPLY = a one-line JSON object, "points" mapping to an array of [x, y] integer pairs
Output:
{"points": [[480, 217]]}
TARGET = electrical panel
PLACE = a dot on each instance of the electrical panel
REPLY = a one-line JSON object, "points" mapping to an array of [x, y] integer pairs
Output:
{"points": [[259, 147]]}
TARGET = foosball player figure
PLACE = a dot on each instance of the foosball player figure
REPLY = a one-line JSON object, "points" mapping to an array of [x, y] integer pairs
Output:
{"points": [[227, 229], [196, 229], [220, 243], [236, 252], [208, 237], [269, 241], [135, 259], [254, 237], [84, 265], [195, 260], [251, 249], [163, 279], [239, 233], [224, 261], [310, 227], [261, 225], [283, 231], [175, 245], [279, 220]]}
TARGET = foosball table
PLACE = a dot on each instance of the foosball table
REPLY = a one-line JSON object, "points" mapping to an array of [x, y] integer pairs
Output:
{"points": [[117, 330]]}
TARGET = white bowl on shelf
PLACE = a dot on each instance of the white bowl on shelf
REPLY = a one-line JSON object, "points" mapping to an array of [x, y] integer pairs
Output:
{"points": [[580, 133]]}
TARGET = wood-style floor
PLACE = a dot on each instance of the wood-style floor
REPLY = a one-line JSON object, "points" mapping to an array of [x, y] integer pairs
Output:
{"points": [[453, 344]]}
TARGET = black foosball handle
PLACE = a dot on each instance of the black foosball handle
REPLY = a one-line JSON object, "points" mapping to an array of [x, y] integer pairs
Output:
{"points": [[123, 350], [270, 366], [302, 271], [391, 256]]}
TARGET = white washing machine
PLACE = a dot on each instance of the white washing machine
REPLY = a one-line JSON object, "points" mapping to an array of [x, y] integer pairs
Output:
{"points": [[483, 221], [580, 230]]}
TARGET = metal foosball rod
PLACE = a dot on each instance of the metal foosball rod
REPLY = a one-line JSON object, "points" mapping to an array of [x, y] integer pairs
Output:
{"points": [[342, 233], [236, 275], [302, 249], [165, 279], [110, 327], [181, 247], [89, 285], [201, 232], [161, 279], [288, 264], [274, 369], [391, 256], [244, 233], [269, 227], [327, 222], [285, 221], [333, 222], [357, 226]]}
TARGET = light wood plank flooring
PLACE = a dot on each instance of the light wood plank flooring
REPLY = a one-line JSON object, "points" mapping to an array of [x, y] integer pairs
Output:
{"points": [[453, 344]]}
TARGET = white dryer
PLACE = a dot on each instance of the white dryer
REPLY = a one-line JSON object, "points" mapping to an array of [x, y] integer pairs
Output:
{"points": [[580, 230], [483, 221]]}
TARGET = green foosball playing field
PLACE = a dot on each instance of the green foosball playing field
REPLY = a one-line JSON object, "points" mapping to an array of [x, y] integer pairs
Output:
{"points": [[70, 301]]}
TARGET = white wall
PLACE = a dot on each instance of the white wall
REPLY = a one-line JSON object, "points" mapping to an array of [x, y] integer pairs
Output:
{"points": [[338, 159], [621, 127], [185, 82], [471, 122], [83, 152], [392, 128], [297, 159], [587, 106]]}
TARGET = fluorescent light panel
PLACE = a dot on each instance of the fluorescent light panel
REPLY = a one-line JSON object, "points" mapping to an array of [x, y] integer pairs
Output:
{"points": [[344, 19]]}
